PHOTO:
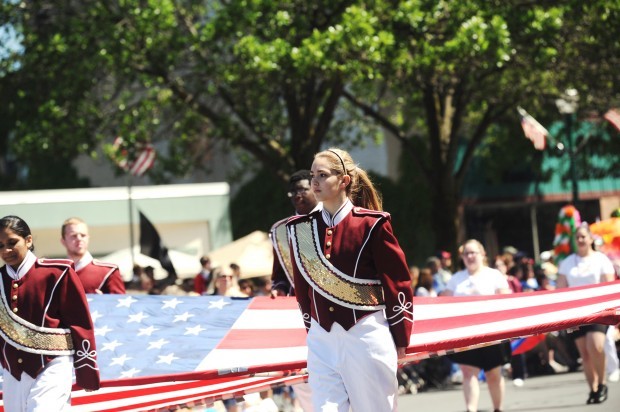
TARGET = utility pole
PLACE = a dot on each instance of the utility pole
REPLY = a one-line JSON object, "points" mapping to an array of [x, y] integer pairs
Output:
{"points": [[567, 105]]}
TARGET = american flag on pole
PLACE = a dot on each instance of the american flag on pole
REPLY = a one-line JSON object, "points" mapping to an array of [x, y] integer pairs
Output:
{"points": [[533, 130], [613, 117], [156, 352], [137, 163]]}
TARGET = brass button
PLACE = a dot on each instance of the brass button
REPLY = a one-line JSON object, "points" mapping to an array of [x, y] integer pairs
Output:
{"points": [[20, 360], [328, 244], [327, 256], [329, 232], [15, 310], [14, 297], [331, 309], [15, 285]]}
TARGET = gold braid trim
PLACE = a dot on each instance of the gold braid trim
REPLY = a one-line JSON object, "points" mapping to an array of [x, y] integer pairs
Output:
{"points": [[28, 337], [364, 294], [283, 251]]}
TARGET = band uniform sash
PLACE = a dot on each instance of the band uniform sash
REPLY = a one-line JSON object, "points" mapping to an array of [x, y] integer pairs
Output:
{"points": [[280, 240], [29, 337], [353, 293]]}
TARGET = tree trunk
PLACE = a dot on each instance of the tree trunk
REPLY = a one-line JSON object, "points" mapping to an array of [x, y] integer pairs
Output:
{"points": [[445, 214]]}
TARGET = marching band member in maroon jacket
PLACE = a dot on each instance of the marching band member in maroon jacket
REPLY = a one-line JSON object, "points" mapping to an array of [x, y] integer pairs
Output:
{"points": [[96, 276], [353, 287], [282, 282], [303, 200], [46, 326]]}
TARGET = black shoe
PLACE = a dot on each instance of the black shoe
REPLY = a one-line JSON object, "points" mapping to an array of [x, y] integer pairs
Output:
{"points": [[601, 394], [591, 398]]}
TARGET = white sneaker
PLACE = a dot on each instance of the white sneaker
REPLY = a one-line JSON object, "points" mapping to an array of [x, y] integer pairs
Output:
{"points": [[614, 376], [557, 367], [518, 382]]}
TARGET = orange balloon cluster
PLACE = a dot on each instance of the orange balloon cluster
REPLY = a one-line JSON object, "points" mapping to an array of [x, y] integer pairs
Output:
{"points": [[609, 231]]}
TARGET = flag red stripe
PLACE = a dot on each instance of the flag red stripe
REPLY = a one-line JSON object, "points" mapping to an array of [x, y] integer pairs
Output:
{"points": [[170, 395], [263, 339], [266, 303], [148, 390], [172, 398], [431, 325], [144, 162]]}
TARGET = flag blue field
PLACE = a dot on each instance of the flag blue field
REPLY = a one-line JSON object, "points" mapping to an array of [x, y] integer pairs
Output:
{"points": [[159, 335]]}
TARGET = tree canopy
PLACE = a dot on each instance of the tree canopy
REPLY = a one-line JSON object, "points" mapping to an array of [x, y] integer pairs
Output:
{"points": [[277, 80]]}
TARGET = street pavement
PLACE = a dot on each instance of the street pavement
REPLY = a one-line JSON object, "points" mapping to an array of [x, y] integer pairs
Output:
{"points": [[551, 393]]}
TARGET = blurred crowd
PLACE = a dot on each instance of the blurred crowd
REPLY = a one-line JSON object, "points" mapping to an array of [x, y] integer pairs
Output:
{"points": [[555, 354], [223, 280]]}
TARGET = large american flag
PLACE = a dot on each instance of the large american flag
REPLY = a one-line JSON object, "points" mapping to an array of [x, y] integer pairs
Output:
{"points": [[159, 351]]}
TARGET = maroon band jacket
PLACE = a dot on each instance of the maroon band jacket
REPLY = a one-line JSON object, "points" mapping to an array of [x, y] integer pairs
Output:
{"points": [[97, 275], [51, 295], [361, 245], [279, 278]]}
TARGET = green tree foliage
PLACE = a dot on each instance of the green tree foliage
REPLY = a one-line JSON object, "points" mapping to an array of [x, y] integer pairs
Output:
{"points": [[459, 69], [264, 77], [277, 80]]}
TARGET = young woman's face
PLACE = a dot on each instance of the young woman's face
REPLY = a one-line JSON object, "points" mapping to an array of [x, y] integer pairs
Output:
{"points": [[326, 184], [584, 239], [13, 248], [501, 266]]}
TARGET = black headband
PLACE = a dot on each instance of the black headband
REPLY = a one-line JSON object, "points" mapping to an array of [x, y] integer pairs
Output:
{"points": [[344, 169]]}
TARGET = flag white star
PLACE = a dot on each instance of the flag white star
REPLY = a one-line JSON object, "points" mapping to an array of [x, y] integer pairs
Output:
{"points": [[219, 304], [183, 317], [111, 345], [147, 331], [126, 302], [102, 331], [167, 358], [130, 373], [137, 317], [95, 315], [157, 344], [120, 360], [194, 330], [171, 303]]}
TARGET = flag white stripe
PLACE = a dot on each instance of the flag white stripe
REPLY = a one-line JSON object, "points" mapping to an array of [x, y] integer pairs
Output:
{"points": [[263, 319], [232, 358], [507, 325], [144, 162], [532, 300]]}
